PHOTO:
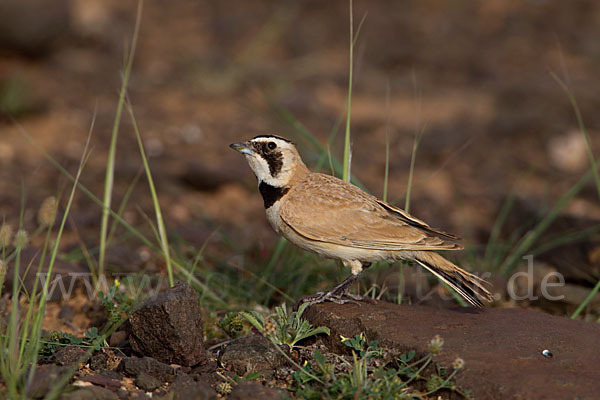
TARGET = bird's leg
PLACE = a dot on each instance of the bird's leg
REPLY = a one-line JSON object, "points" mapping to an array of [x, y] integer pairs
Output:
{"points": [[335, 295]]}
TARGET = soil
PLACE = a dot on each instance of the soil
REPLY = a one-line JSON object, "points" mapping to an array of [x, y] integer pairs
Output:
{"points": [[476, 79]]}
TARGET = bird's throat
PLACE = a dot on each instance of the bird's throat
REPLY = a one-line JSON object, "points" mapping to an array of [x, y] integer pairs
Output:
{"points": [[271, 194]]}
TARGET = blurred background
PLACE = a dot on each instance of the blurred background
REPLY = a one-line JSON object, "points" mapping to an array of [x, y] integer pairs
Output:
{"points": [[498, 140]]}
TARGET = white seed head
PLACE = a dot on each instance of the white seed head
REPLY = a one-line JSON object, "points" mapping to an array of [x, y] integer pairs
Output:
{"points": [[458, 363], [224, 388], [21, 239], [47, 211], [6, 232], [270, 328], [435, 345]]}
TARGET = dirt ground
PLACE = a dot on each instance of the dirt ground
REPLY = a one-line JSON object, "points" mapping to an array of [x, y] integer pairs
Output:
{"points": [[475, 79], [478, 80]]}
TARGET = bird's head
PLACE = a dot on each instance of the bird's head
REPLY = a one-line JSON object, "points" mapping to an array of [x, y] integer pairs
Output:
{"points": [[273, 159]]}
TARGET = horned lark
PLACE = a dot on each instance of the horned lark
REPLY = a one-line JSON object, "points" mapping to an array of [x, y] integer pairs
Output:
{"points": [[336, 219]]}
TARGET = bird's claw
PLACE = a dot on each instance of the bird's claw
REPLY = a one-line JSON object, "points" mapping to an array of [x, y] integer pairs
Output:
{"points": [[322, 297], [358, 297]]}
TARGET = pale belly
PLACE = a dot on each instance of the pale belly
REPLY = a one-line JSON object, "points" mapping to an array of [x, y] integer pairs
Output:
{"points": [[330, 250]]}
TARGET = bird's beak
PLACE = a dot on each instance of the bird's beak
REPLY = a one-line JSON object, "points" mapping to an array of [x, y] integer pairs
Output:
{"points": [[242, 147]]}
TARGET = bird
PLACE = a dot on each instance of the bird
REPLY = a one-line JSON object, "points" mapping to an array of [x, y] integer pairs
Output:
{"points": [[336, 219]]}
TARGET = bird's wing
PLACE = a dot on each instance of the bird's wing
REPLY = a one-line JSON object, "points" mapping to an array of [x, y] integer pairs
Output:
{"points": [[327, 209]]}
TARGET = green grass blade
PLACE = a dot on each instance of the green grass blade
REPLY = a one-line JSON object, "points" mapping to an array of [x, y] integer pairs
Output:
{"points": [[411, 173], [164, 242], [386, 174], [136, 233], [586, 301], [281, 245], [347, 150], [588, 145], [110, 166], [418, 134], [492, 245], [37, 327], [124, 202], [533, 235]]}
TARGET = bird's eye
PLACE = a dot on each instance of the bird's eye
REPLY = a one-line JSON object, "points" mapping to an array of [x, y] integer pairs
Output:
{"points": [[271, 145]]}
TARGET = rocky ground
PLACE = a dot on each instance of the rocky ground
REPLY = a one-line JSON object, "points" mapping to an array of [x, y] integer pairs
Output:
{"points": [[160, 350], [500, 147]]}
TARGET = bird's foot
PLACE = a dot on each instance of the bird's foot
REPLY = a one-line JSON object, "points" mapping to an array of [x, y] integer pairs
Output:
{"points": [[358, 297], [335, 297], [322, 297]]}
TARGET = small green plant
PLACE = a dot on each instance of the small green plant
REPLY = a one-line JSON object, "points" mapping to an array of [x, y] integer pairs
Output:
{"points": [[232, 324], [371, 373], [55, 340], [284, 327], [224, 388], [116, 303]]}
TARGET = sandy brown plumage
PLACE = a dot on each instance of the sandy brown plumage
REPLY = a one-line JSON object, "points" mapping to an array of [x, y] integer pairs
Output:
{"points": [[340, 213], [336, 219]]}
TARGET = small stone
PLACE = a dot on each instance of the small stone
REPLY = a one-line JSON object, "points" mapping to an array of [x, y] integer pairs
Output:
{"points": [[136, 396], [98, 361], [568, 152], [117, 339], [124, 394], [111, 374], [147, 382], [68, 355], [134, 366], [168, 327], [254, 390], [573, 294], [102, 380], [188, 388], [43, 378], [252, 353], [27, 31], [90, 393], [208, 178]]}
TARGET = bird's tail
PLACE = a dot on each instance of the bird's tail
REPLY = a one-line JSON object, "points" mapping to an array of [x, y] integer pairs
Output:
{"points": [[469, 286]]}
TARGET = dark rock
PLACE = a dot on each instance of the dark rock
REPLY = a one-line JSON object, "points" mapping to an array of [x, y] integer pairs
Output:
{"points": [[135, 396], [147, 382], [118, 339], [134, 366], [26, 30], [502, 348], [124, 394], [67, 355], [252, 353], [254, 390], [43, 379], [66, 313], [102, 380], [111, 374], [206, 177], [208, 368], [188, 388], [90, 393], [168, 327], [98, 361]]}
